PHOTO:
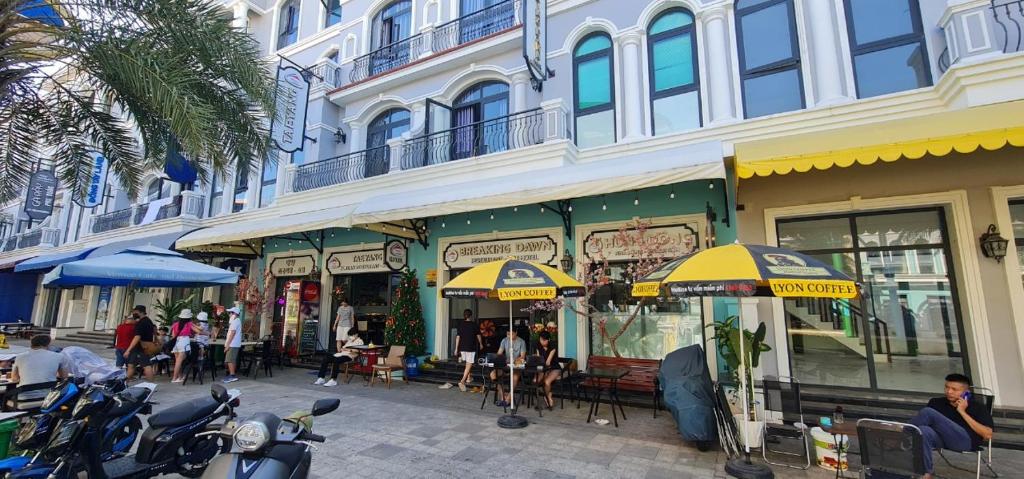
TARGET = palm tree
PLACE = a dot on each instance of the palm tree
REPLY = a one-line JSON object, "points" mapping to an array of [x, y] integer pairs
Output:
{"points": [[126, 78]]}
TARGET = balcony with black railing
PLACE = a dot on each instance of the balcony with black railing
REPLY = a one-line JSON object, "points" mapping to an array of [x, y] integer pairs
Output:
{"points": [[139, 215], [326, 73], [505, 133], [971, 37], [1009, 17], [342, 169], [112, 221], [468, 28], [143, 215]]}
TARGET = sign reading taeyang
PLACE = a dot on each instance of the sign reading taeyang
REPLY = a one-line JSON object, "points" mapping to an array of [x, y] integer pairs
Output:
{"points": [[288, 127], [535, 40], [95, 181]]}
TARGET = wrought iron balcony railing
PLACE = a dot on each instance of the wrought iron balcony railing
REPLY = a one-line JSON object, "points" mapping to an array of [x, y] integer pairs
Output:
{"points": [[342, 169], [112, 221], [387, 58], [170, 210], [509, 132], [1009, 16], [479, 24], [30, 238], [326, 73], [10, 244], [135, 215]]}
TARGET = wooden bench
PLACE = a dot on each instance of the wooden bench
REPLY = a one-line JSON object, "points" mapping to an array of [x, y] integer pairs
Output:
{"points": [[642, 377]]}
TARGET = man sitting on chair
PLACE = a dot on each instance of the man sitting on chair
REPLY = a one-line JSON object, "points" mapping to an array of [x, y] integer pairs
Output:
{"points": [[514, 348], [345, 355], [953, 421]]}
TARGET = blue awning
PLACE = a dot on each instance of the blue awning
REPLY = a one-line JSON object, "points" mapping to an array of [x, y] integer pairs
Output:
{"points": [[163, 241], [143, 266], [47, 261]]}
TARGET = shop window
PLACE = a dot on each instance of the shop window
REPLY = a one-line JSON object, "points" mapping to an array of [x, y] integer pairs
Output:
{"points": [[1017, 217], [662, 325], [769, 55], [672, 55], [332, 14], [594, 93], [887, 45], [288, 24], [216, 194]]}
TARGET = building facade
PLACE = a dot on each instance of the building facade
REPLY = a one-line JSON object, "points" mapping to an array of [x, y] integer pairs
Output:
{"points": [[754, 120]]}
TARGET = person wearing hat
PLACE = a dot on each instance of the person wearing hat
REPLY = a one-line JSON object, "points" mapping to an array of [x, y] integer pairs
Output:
{"points": [[232, 344], [181, 334], [141, 350], [201, 328]]}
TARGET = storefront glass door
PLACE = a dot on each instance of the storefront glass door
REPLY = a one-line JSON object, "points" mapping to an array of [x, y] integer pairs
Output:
{"points": [[905, 333]]}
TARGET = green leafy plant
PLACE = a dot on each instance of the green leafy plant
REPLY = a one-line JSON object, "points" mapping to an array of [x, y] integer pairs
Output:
{"points": [[727, 339], [167, 311]]}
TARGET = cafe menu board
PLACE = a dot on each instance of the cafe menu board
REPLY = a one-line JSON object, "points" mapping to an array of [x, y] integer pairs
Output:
{"points": [[291, 309], [307, 340], [309, 315]]}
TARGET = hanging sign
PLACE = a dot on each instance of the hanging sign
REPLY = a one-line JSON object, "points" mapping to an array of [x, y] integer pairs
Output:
{"points": [[664, 242], [95, 182], [355, 262], [396, 255], [431, 276], [42, 186], [288, 127], [535, 39], [539, 249], [292, 266]]}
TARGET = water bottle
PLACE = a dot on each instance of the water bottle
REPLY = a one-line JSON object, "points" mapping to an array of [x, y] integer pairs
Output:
{"points": [[837, 416]]}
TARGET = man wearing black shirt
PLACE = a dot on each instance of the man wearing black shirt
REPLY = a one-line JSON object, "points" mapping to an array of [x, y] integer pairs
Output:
{"points": [[467, 343], [953, 421], [136, 355]]}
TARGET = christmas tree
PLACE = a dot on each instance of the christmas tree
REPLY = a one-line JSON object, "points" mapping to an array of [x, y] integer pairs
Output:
{"points": [[405, 323]]}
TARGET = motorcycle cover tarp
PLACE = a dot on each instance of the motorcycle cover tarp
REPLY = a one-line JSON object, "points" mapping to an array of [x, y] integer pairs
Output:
{"points": [[82, 363], [688, 393]]}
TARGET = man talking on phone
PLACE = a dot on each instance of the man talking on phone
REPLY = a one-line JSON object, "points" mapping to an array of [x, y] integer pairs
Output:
{"points": [[953, 421]]}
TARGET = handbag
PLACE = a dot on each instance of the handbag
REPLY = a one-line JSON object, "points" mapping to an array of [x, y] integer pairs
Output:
{"points": [[150, 348]]}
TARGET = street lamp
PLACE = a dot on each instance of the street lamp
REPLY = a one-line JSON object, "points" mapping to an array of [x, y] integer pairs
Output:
{"points": [[993, 245], [567, 261]]}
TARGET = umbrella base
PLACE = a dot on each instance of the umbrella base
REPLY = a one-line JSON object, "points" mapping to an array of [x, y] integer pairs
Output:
{"points": [[510, 421], [742, 469]]}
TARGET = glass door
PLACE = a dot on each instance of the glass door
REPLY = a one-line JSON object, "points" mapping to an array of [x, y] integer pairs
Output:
{"points": [[456, 307]]}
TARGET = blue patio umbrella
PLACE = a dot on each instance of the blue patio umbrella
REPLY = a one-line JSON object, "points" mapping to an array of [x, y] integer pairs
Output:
{"points": [[142, 266]]}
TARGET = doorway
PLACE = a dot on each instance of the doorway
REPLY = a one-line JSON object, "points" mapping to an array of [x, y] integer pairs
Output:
{"points": [[480, 120]]}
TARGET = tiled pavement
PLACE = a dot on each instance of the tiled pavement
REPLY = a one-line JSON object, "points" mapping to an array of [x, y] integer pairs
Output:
{"points": [[417, 430]]}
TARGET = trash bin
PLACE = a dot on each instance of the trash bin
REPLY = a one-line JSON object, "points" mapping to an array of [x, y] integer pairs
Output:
{"points": [[825, 449], [7, 429], [412, 367]]}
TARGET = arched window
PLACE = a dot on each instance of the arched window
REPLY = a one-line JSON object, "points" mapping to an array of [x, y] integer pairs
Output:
{"points": [[675, 83], [158, 189], [288, 24], [769, 55], [391, 24], [390, 124], [887, 45], [332, 12], [480, 117], [594, 92]]}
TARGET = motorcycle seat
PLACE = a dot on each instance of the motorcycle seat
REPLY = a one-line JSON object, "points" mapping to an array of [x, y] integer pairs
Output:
{"points": [[290, 454], [184, 413], [130, 399]]}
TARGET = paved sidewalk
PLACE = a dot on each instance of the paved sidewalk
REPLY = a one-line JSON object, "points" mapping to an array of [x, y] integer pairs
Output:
{"points": [[420, 431]]}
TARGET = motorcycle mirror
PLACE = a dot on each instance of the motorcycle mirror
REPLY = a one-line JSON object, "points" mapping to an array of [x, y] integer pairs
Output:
{"points": [[220, 393], [326, 405]]}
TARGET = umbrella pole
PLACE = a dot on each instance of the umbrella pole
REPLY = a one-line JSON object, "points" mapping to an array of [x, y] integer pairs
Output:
{"points": [[511, 421], [744, 468]]}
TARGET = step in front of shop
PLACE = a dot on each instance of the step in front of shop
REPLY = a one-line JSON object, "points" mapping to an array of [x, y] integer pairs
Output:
{"points": [[98, 338]]}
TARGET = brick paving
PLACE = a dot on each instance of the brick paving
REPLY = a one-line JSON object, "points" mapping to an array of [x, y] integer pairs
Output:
{"points": [[420, 431]]}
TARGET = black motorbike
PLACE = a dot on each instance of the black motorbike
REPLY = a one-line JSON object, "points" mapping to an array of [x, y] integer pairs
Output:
{"points": [[266, 446], [171, 444]]}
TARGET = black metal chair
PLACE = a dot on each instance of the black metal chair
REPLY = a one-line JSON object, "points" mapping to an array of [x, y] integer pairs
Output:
{"points": [[782, 396], [890, 449], [984, 453], [263, 357], [201, 358], [727, 430], [27, 398]]}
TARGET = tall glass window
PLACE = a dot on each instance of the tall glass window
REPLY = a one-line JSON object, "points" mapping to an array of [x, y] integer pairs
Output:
{"points": [[391, 24], [390, 124], [769, 57], [675, 90], [332, 15], [216, 195], [594, 95], [268, 182], [1017, 216], [288, 24], [480, 120], [158, 189], [241, 191], [905, 332], [887, 44]]}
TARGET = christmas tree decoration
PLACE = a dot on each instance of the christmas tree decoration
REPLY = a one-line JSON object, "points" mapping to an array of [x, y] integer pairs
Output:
{"points": [[405, 325]]}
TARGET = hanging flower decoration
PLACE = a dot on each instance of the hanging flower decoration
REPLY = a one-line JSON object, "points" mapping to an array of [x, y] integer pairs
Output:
{"points": [[487, 328]]}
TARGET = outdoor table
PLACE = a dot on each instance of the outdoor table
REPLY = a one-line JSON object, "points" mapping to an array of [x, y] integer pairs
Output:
{"points": [[219, 343], [518, 367], [611, 377], [837, 431], [370, 355]]}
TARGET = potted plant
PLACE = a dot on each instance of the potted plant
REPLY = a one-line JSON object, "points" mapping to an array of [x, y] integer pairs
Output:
{"points": [[727, 336], [167, 311]]}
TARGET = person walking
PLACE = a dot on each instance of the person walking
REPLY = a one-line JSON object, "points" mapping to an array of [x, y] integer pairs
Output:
{"points": [[181, 334], [141, 350], [467, 343], [343, 321], [123, 336], [233, 344]]}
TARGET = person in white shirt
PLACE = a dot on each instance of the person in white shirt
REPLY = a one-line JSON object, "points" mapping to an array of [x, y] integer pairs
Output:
{"points": [[343, 321], [344, 355], [39, 365], [233, 344]]}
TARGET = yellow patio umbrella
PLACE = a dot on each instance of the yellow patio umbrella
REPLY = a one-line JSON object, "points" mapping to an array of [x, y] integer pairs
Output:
{"points": [[512, 280]]}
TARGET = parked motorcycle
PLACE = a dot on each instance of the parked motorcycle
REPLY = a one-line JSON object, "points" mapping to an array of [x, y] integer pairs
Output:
{"points": [[264, 446]]}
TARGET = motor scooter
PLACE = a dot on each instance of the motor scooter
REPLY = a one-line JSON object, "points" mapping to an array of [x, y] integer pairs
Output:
{"points": [[265, 446]]}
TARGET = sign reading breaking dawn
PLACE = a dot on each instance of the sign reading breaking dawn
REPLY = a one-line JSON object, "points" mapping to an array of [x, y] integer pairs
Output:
{"points": [[538, 249], [288, 127]]}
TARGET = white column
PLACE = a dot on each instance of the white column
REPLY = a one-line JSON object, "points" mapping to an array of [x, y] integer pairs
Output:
{"points": [[520, 88], [284, 160], [355, 137], [228, 198], [632, 98], [395, 153], [828, 71], [556, 120], [717, 58], [241, 15]]}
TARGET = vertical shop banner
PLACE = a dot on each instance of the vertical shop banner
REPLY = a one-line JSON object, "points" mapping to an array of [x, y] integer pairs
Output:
{"points": [[103, 308], [535, 39], [95, 182], [288, 127], [42, 186]]}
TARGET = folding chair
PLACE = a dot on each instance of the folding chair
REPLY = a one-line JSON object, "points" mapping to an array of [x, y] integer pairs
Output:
{"points": [[890, 449], [984, 453], [782, 395]]}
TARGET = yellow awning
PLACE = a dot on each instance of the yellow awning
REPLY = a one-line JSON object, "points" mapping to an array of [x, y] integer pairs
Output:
{"points": [[990, 127]]}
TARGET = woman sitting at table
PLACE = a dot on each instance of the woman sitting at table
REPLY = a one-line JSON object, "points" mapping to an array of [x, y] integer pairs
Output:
{"points": [[346, 355], [552, 368]]}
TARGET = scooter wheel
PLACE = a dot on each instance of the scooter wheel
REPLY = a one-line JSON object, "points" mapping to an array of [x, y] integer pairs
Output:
{"points": [[202, 451]]}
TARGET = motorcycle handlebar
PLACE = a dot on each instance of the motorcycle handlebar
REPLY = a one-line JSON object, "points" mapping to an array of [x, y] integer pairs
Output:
{"points": [[313, 437]]}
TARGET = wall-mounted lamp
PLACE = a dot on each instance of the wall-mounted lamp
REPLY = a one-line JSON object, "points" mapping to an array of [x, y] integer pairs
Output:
{"points": [[567, 261], [340, 136], [993, 245]]}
